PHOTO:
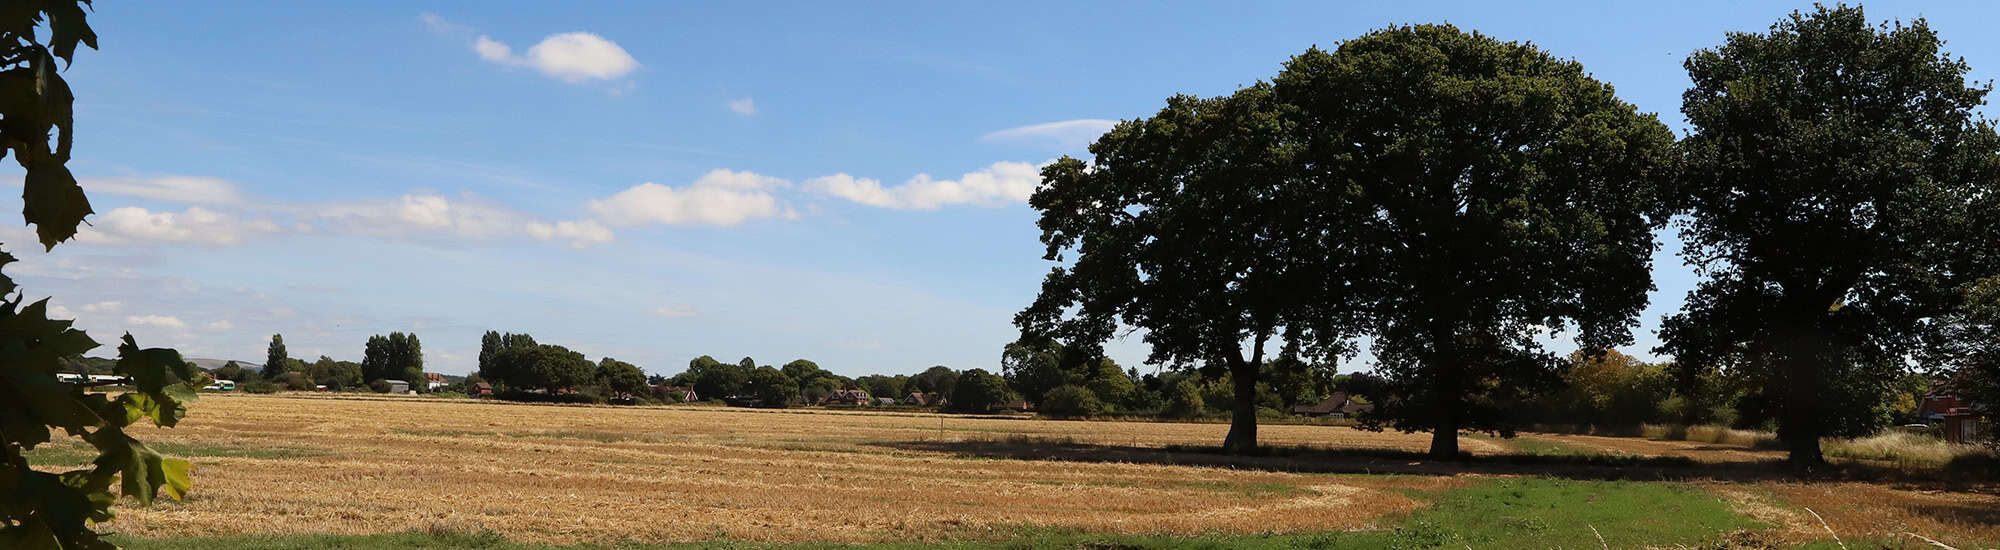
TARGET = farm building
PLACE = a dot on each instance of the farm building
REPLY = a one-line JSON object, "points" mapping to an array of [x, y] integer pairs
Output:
{"points": [[1962, 421], [482, 389], [847, 397], [1338, 405], [398, 386], [931, 399], [885, 401]]}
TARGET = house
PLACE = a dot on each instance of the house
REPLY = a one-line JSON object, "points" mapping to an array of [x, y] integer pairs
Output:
{"points": [[482, 389], [398, 386], [1338, 405], [932, 399], [433, 381], [885, 401], [1962, 421], [848, 397], [684, 394]]}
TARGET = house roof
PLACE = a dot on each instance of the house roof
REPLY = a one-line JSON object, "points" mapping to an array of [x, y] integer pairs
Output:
{"points": [[1332, 404]]}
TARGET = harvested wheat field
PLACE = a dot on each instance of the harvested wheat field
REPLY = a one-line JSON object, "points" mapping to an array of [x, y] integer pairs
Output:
{"points": [[554, 474]]}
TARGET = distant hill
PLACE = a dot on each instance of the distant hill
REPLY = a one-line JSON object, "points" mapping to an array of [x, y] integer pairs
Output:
{"points": [[212, 364]]}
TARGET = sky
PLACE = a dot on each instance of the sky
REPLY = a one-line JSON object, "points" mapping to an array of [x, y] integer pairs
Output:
{"points": [[653, 181]]}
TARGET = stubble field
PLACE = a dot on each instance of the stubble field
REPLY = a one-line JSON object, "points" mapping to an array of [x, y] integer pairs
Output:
{"points": [[300, 465]]}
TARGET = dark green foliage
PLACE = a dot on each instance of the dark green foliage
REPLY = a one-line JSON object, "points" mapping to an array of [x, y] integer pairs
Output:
{"points": [[275, 357], [1184, 400], [714, 379], [771, 388], [939, 379], [979, 391], [880, 385], [1839, 185], [335, 375], [545, 367], [1071, 401], [1197, 226], [1492, 193], [490, 346], [622, 378], [397, 356]]}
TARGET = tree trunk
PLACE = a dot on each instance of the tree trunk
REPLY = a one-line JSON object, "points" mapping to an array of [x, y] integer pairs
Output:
{"points": [[1802, 429], [1242, 436]]}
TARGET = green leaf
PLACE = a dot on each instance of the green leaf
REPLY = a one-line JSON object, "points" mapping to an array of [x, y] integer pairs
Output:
{"points": [[53, 201], [50, 401], [142, 473], [163, 412], [151, 369]]}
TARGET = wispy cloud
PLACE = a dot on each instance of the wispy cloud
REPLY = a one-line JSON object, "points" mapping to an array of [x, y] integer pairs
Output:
{"points": [[674, 311], [1066, 134], [745, 106]]}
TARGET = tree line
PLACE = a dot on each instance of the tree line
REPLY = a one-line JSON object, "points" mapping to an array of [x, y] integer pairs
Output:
{"points": [[1451, 200], [396, 356]]}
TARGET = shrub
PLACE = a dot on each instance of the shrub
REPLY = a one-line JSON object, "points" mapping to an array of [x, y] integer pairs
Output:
{"points": [[1071, 400], [257, 384], [380, 386], [1184, 401]]}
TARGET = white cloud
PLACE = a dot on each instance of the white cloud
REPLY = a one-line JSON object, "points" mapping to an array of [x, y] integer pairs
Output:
{"points": [[219, 325], [179, 189], [59, 312], [720, 197], [571, 57], [422, 214], [1067, 134], [160, 321], [132, 225], [745, 106], [1000, 184], [580, 234], [103, 307], [437, 23], [675, 312]]}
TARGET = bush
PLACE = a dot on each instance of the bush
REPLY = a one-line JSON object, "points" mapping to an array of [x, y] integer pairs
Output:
{"points": [[1184, 401], [295, 381], [257, 384], [1070, 400], [380, 386]]}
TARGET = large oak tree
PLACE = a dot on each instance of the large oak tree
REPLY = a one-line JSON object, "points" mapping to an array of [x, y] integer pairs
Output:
{"points": [[1840, 183], [1494, 194], [1195, 226]]}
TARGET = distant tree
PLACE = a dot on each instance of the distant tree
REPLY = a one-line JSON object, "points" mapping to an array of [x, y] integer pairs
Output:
{"points": [[1296, 381], [1111, 384], [229, 371], [375, 358], [655, 380], [489, 344], [1071, 400], [771, 387], [622, 377], [1839, 178], [979, 391], [1492, 193], [814, 383], [335, 375], [1184, 400], [714, 379], [545, 367], [275, 357], [1195, 226], [1034, 366], [939, 379], [884, 386]]}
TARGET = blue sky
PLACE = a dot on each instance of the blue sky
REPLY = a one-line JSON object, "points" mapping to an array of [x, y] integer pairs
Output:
{"points": [[655, 181]]}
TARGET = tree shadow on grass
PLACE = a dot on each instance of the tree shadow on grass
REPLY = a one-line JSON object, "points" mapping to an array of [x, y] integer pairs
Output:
{"points": [[1304, 459]]}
